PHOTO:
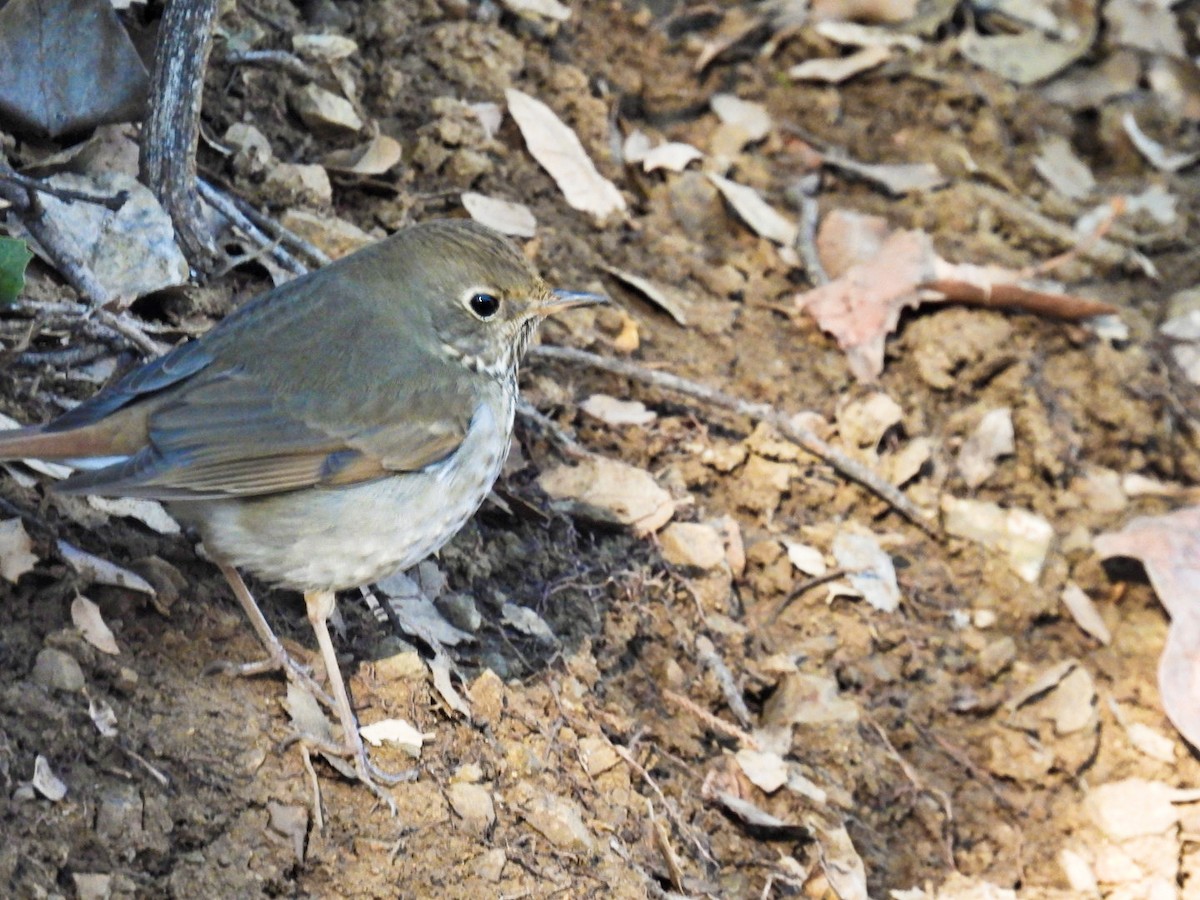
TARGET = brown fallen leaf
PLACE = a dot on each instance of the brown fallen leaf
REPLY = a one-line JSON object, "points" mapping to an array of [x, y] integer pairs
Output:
{"points": [[1169, 548], [881, 279]]}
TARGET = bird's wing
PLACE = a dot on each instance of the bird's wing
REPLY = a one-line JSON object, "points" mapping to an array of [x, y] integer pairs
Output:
{"points": [[222, 434]]}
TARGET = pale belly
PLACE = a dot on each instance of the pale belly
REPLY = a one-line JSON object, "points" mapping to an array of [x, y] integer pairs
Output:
{"points": [[336, 538]]}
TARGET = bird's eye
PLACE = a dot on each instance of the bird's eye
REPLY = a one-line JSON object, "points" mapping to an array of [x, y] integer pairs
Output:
{"points": [[484, 305]]}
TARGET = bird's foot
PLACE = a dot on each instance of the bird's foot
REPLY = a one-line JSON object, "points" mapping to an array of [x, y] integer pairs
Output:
{"points": [[340, 756], [279, 661]]}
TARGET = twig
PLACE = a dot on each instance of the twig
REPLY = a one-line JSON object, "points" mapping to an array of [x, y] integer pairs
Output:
{"points": [[671, 813], [1014, 296], [100, 323], [707, 655], [761, 412], [916, 781], [63, 255], [556, 432], [226, 207], [275, 228], [289, 62], [800, 590], [1099, 250], [805, 195], [114, 202], [714, 722], [172, 125]]}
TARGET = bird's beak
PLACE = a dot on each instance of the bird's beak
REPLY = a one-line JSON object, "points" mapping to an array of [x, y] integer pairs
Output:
{"points": [[562, 300]]}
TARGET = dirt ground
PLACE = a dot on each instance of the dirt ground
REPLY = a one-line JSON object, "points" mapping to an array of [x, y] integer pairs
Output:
{"points": [[606, 760]]}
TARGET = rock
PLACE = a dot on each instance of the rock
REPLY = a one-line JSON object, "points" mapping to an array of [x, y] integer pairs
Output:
{"points": [[335, 236], [92, 885], [324, 111], [119, 815], [486, 694], [253, 152], [597, 755], [559, 821], [296, 183], [460, 611], [692, 545], [57, 670], [473, 804], [490, 865]]}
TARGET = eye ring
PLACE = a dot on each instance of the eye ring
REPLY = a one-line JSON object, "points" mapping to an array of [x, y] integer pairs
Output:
{"points": [[484, 305]]}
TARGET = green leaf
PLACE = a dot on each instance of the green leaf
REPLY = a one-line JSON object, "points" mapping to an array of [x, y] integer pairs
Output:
{"points": [[14, 257]]}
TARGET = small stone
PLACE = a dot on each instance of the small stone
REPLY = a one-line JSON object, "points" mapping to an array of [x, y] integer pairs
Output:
{"points": [[92, 885], [597, 755], [324, 111], [400, 667], [460, 611], [473, 804], [119, 814], [490, 865], [692, 545], [468, 773], [335, 236], [296, 183], [997, 656], [559, 821], [58, 671], [486, 694], [252, 149]]}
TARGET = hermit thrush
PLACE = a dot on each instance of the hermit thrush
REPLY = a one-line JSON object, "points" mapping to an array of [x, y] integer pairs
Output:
{"points": [[340, 427]]}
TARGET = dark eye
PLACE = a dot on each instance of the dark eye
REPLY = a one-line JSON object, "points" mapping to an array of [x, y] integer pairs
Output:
{"points": [[484, 305]]}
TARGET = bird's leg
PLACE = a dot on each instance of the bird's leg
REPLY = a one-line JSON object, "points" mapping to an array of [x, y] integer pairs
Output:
{"points": [[320, 606], [277, 657]]}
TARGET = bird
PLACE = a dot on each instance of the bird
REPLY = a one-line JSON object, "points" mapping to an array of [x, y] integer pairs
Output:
{"points": [[336, 429]]}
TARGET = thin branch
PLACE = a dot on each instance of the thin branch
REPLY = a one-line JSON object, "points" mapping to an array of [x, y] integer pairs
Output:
{"points": [[228, 208], [759, 412]]}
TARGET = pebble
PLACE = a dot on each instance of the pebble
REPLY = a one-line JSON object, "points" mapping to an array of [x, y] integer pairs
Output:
{"points": [[692, 545], [473, 804], [58, 670]]}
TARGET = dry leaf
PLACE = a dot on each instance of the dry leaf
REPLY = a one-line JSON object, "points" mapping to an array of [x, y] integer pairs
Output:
{"points": [[766, 771], [45, 782], [505, 216], [396, 731], [869, 569], [808, 560], [1085, 614], [16, 550], [558, 149], [992, 438], [1169, 548], [85, 615], [102, 571], [755, 211], [1058, 163], [1154, 152], [751, 117], [842, 68], [897, 179], [673, 156], [150, 513], [610, 492], [668, 301], [881, 279], [375, 157], [612, 411]]}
